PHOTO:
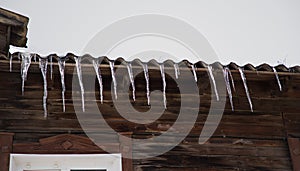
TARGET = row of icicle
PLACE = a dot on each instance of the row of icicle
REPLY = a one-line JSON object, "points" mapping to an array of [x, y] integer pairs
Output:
{"points": [[43, 63]]}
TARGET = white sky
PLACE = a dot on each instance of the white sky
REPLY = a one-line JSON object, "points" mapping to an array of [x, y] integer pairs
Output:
{"points": [[248, 31]]}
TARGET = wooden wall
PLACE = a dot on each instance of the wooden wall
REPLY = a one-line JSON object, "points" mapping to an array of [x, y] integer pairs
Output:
{"points": [[244, 140], [4, 39]]}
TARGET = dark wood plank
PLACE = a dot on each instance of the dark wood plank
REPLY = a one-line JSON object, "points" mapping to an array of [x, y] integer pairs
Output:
{"points": [[6, 143], [294, 145]]}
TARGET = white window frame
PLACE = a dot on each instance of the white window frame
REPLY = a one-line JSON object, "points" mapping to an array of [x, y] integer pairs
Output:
{"points": [[65, 162]]}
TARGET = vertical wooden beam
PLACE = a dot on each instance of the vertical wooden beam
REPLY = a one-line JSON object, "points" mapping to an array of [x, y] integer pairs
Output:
{"points": [[6, 143], [8, 39], [294, 146], [126, 150]]}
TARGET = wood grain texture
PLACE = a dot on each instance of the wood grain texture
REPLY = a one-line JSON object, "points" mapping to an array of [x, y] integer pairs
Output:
{"points": [[244, 140], [6, 143], [294, 146]]}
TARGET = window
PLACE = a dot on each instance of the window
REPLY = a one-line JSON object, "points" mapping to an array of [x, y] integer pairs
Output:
{"points": [[44, 170], [69, 162]]}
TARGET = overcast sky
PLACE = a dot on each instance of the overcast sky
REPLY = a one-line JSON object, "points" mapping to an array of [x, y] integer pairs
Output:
{"points": [[249, 31]]}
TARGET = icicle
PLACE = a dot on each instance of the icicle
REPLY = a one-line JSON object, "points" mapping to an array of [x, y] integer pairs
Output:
{"points": [[231, 77], [246, 88], [146, 74], [34, 57], [177, 70], [162, 72], [194, 72], [79, 74], [51, 67], [61, 65], [211, 75], [277, 78], [19, 56], [111, 64], [43, 66], [26, 61], [99, 77], [228, 87], [10, 63], [130, 73]]}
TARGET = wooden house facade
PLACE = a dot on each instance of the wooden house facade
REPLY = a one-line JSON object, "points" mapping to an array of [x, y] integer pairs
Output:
{"points": [[265, 139]]}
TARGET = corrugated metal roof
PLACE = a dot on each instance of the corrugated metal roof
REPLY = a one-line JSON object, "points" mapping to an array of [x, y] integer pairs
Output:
{"points": [[200, 64]]}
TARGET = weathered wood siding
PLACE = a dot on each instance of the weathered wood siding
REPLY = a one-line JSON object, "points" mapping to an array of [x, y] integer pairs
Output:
{"points": [[18, 30], [4, 39], [243, 140]]}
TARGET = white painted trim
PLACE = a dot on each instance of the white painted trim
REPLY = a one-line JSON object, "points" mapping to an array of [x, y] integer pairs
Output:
{"points": [[65, 162]]}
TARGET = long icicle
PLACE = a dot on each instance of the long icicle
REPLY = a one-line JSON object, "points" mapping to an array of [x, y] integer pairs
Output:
{"points": [[79, 74], [277, 78], [51, 67], [99, 77], [146, 74], [177, 70], [43, 66], [130, 73], [228, 87], [194, 72], [61, 65], [10, 62], [211, 75], [26, 61], [162, 72], [111, 65], [34, 57], [246, 88], [231, 77]]}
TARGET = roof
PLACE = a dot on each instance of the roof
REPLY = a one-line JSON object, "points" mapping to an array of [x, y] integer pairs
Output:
{"points": [[18, 25], [200, 64]]}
